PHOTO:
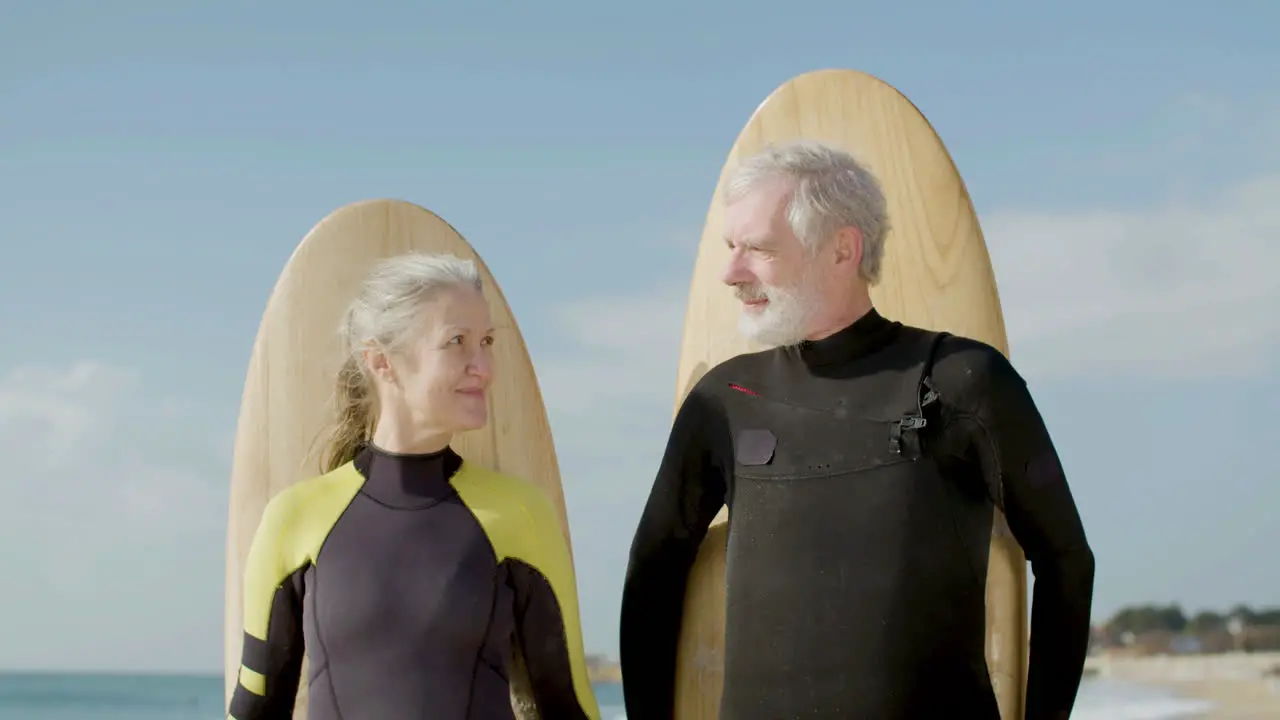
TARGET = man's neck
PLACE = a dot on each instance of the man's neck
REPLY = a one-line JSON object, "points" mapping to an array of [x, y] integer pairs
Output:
{"points": [[841, 316]]}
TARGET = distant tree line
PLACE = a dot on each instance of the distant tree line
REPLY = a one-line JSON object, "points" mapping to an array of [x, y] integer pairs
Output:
{"points": [[1172, 618]]}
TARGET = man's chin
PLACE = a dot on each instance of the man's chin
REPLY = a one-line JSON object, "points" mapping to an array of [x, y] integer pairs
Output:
{"points": [[755, 328], [768, 330]]}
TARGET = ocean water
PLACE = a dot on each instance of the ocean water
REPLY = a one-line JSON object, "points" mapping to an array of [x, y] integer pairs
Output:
{"points": [[117, 697], [48, 696]]}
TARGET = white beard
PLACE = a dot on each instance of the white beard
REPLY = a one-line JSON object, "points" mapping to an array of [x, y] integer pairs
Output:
{"points": [[785, 318]]}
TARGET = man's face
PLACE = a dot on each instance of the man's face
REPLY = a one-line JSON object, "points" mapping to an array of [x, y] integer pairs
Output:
{"points": [[768, 267]]}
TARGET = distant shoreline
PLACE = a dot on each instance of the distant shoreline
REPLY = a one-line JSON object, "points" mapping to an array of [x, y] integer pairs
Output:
{"points": [[1240, 685]]}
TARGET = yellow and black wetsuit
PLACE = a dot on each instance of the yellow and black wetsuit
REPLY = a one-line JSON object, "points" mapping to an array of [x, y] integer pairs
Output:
{"points": [[409, 580]]}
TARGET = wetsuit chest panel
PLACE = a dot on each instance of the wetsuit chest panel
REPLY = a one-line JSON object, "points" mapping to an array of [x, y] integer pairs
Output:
{"points": [[842, 547], [399, 614], [411, 583], [806, 441]]}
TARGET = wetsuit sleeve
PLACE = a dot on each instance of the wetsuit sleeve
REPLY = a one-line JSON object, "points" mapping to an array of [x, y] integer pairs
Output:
{"points": [[541, 634], [1026, 481], [686, 495], [271, 659]]}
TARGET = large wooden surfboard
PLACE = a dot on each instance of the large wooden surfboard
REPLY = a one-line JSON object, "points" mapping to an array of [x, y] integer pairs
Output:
{"points": [[936, 274], [289, 386]]}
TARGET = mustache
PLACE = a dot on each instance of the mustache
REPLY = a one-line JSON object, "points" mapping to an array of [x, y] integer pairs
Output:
{"points": [[749, 293]]}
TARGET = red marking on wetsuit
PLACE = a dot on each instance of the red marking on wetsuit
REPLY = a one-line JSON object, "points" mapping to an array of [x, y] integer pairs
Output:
{"points": [[741, 389]]}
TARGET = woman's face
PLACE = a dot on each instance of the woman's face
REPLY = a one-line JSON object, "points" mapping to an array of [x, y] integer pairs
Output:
{"points": [[442, 377]]}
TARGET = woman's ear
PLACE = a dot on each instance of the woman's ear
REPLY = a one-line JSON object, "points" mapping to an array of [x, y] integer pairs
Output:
{"points": [[377, 362]]}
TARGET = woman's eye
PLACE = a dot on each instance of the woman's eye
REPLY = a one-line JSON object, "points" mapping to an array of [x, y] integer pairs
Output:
{"points": [[488, 340]]}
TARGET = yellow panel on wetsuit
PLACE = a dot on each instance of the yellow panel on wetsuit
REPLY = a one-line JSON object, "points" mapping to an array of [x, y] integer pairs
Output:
{"points": [[523, 527], [294, 525]]}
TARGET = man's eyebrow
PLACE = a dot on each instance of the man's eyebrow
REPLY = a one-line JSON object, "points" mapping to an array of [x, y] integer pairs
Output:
{"points": [[749, 243]]}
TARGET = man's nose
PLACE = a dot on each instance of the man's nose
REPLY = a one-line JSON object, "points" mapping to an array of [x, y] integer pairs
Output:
{"points": [[734, 272]]}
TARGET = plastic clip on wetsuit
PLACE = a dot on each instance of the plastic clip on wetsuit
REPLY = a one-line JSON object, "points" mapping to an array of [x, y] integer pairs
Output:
{"points": [[861, 484], [408, 580]]}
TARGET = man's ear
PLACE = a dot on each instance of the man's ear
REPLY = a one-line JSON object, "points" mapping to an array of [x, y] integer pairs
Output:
{"points": [[848, 246]]}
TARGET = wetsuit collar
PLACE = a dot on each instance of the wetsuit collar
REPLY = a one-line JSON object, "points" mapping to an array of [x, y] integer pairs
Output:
{"points": [[407, 480], [865, 335]]}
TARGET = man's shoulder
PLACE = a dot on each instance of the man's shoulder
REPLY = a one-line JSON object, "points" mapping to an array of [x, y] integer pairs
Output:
{"points": [[725, 374], [964, 365]]}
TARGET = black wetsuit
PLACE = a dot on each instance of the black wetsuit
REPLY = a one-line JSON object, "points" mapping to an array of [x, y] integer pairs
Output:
{"points": [[410, 581], [857, 543]]}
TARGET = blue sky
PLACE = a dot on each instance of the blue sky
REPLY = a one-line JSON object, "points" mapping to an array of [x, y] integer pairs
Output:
{"points": [[161, 162]]}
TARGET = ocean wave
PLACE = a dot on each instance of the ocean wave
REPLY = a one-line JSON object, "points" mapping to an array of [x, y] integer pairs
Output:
{"points": [[1106, 699]]}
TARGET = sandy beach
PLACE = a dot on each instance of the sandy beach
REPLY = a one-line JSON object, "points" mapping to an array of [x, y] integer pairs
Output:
{"points": [[1238, 684]]}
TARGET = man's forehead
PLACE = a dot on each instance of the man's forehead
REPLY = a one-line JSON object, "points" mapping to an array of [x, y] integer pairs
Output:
{"points": [[752, 222]]}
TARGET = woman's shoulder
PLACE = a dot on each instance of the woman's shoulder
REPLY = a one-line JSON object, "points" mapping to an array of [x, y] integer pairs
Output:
{"points": [[502, 492], [325, 493], [519, 518]]}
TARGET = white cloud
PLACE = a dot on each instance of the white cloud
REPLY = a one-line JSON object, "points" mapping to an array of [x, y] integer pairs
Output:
{"points": [[622, 344], [1179, 291], [43, 413], [118, 519]]}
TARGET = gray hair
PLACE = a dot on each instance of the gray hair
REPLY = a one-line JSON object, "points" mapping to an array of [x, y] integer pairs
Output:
{"points": [[832, 190], [386, 313], [386, 310]]}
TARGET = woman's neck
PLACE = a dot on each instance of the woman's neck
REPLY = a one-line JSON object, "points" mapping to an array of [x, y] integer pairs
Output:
{"points": [[400, 438]]}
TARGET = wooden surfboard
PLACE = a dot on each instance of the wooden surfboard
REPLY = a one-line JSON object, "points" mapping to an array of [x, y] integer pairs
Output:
{"points": [[289, 386], [936, 274]]}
